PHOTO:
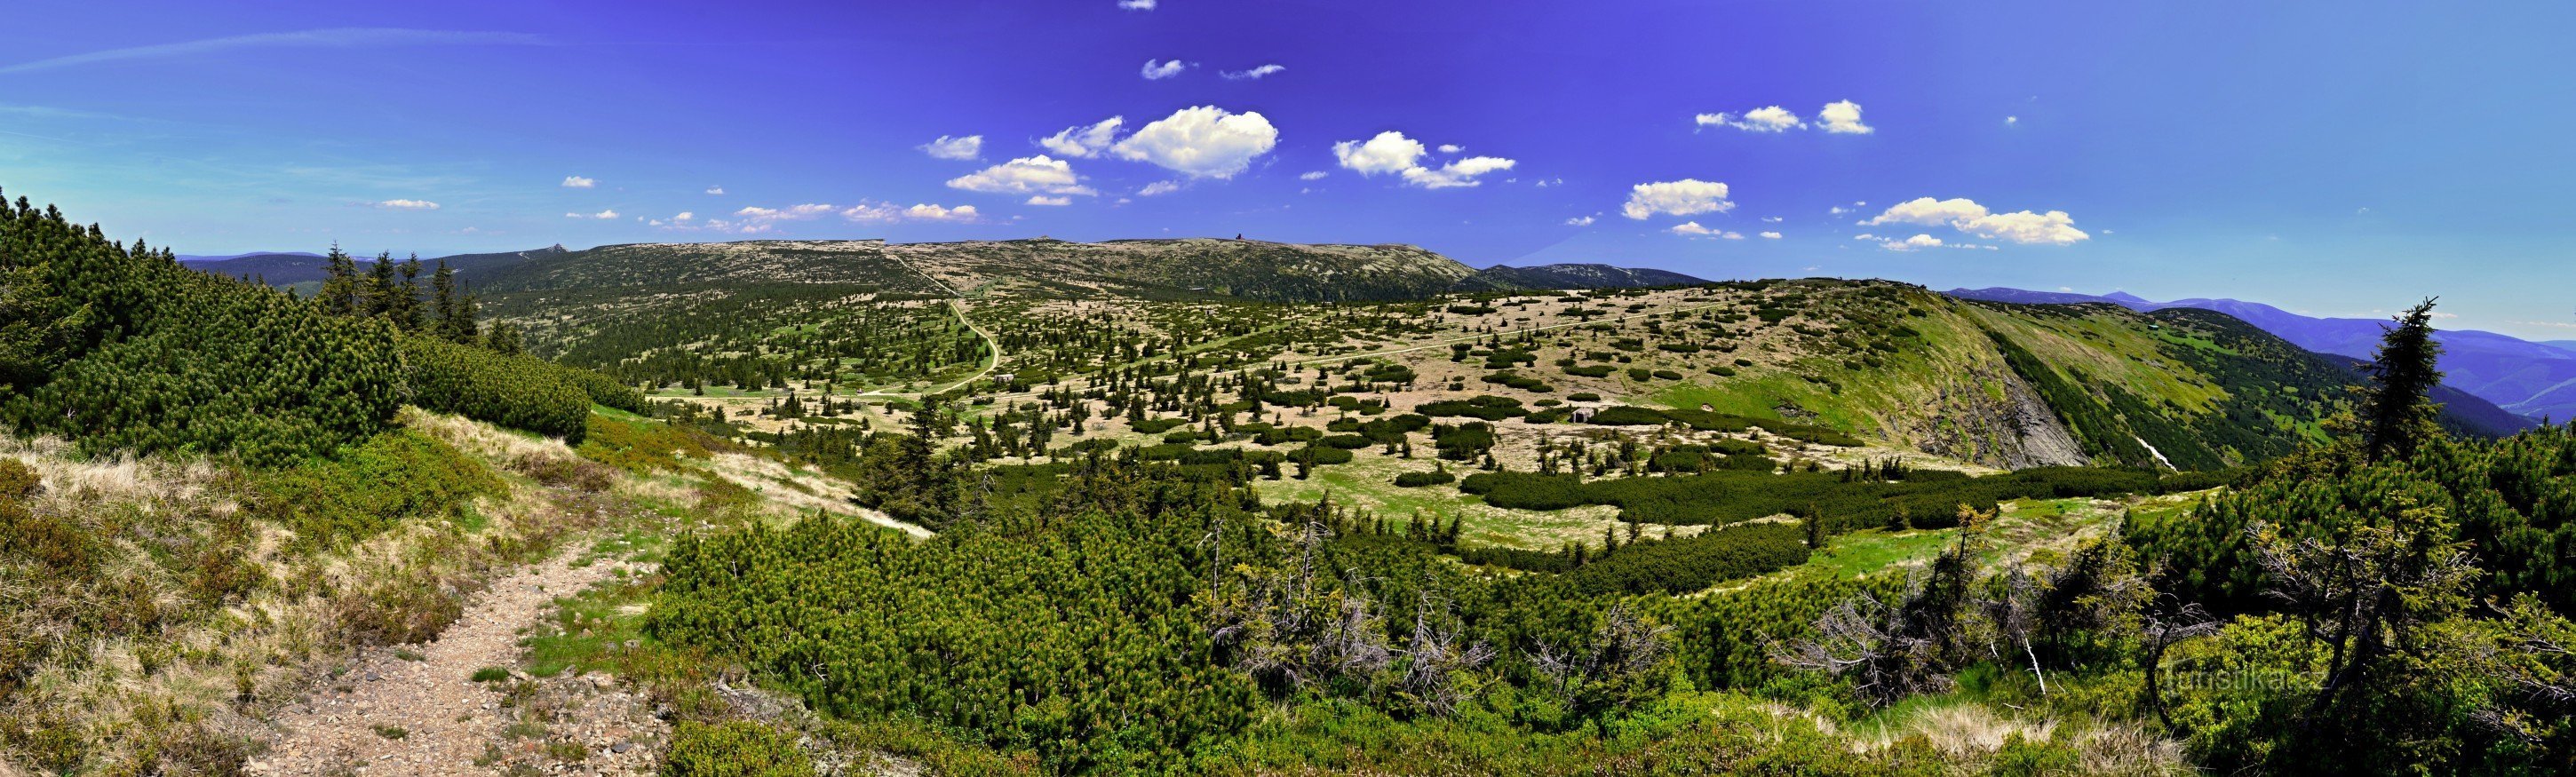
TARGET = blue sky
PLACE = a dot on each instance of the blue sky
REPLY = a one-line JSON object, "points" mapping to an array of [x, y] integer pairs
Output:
{"points": [[2330, 158]]}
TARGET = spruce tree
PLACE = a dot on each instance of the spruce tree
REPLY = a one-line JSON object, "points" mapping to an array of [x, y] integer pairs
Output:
{"points": [[406, 310], [2396, 417], [381, 288], [339, 292]]}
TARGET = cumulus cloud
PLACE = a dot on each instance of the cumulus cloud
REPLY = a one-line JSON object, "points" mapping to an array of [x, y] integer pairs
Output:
{"points": [[1770, 235], [578, 182], [1840, 117], [2025, 227], [1693, 229], [1312, 175], [602, 215], [947, 147], [936, 213], [1579, 221], [1040, 199], [1263, 71], [1686, 197], [1136, 5], [1451, 148], [684, 216], [1156, 71], [408, 205], [715, 190], [1158, 187], [1084, 142], [1026, 175], [1201, 142], [1843, 118], [1389, 152], [1459, 173], [1392, 152], [1769, 119]]}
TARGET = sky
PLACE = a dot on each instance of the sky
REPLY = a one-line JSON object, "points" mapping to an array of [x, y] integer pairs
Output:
{"points": [[2334, 159]]}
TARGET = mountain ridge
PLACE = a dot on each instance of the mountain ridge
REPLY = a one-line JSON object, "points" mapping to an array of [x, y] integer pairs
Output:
{"points": [[2519, 376]]}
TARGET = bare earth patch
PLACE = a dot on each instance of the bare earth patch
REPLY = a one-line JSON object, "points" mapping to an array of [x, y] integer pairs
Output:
{"points": [[416, 710]]}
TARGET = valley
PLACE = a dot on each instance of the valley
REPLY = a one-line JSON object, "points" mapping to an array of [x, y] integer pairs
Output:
{"points": [[1195, 506]]}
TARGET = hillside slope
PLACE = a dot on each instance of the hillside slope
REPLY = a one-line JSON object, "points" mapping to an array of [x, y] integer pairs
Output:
{"points": [[1247, 269], [2521, 377], [1571, 276]]}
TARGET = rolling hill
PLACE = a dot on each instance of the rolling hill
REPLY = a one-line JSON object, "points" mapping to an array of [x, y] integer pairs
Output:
{"points": [[2521, 377], [1246, 269], [1571, 276]]}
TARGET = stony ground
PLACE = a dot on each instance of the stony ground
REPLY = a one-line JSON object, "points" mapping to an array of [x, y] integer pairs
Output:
{"points": [[416, 710]]}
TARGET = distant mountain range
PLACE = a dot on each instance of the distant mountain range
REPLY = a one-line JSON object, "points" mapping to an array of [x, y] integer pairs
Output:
{"points": [[1571, 276], [2532, 379], [297, 268]]}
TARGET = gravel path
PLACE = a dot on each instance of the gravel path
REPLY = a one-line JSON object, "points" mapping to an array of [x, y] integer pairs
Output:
{"points": [[392, 716]]}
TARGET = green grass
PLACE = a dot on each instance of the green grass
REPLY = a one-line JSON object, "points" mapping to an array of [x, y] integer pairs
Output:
{"points": [[1368, 483], [588, 629]]}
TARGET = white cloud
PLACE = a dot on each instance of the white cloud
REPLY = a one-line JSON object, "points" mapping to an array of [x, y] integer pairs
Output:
{"points": [[2012, 120], [878, 212], [1026, 175], [1923, 241], [1842, 118], [1451, 148], [1392, 152], [578, 182], [1693, 229], [1312, 175], [1158, 187], [684, 216], [602, 215], [1459, 173], [1770, 219], [1686, 197], [936, 213], [1201, 142], [715, 190], [1925, 210], [1770, 235], [1960, 213], [1389, 152], [408, 205], [1040, 199], [1769, 119], [947, 147], [805, 211], [1258, 72], [1579, 221], [1156, 71], [1136, 5], [1084, 142]]}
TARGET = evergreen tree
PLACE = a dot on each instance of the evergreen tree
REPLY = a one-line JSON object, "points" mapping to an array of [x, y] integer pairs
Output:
{"points": [[339, 294], [2396, 417], [406, 309], [381, 287]]}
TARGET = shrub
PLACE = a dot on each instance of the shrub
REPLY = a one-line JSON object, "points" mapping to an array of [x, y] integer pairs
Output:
{"points": [[1420, 479], [733, 749], [1348, 442], [395, 478], [520, 392]]}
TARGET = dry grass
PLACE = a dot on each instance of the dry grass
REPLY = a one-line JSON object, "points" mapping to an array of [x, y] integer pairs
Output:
{"points": [[132, 666]]}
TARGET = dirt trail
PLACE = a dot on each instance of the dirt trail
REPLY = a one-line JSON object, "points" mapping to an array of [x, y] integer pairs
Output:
{"points": [[389, 715]]}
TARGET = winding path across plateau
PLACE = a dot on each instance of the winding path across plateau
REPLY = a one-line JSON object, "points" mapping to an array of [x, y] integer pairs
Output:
{"points": [[391, 716], [956, 304]]}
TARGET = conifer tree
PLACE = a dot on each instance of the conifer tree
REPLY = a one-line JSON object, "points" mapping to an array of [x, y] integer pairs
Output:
{"points": [[381, 288], [2396, 417], [339, 292]]}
